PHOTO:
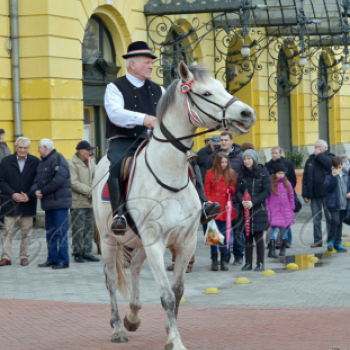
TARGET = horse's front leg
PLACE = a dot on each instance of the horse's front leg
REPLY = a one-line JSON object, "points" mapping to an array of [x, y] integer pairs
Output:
{"points": [[155, 258], [183, 257], [131, 319], [109, 253]]}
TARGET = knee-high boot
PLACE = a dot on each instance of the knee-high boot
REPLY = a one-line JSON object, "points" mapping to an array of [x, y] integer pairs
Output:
{"points": [[117, 203]]}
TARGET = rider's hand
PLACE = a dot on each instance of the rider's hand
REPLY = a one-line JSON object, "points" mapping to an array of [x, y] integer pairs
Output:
{"points": [[149, 121], [306, 200]]}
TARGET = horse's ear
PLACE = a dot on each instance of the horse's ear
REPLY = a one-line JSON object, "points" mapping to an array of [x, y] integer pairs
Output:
{"points": [[184, 72]]}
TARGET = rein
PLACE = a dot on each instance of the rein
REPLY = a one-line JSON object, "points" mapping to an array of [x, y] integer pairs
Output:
{"points": [[186, 89]]}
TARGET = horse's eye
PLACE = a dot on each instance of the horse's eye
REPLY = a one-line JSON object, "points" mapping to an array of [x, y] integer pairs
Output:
{"points": [[207, 94]]}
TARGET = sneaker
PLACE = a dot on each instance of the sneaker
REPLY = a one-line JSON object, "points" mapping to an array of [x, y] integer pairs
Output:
{"points": [[259, 267], [78, 258], [247, 267], [238, 261], [340, 249], [330, 246], [91, 258]]}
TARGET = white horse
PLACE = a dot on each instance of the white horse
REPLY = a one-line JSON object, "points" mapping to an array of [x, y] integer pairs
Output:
{"points": [[164, 215]]}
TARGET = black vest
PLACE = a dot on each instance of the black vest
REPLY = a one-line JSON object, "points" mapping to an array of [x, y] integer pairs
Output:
{"points": [[144, 100]]}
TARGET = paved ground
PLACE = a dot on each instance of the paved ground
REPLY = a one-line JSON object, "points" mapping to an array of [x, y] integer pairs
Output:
{"points": [[309, 309]]}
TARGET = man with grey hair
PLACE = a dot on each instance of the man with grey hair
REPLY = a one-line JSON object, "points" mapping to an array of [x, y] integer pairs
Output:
{"points": [[53, 186], [17, 175], [317, 166]]}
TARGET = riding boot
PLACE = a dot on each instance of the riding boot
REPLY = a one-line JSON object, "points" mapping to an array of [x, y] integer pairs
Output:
{"points": [[272, 251], [214, 265], [283, 248], [209, 210], [117, 202], [224, 266]]}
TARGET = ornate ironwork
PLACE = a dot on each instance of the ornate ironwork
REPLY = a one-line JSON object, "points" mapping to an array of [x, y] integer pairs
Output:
{"points": [[238, 45]]}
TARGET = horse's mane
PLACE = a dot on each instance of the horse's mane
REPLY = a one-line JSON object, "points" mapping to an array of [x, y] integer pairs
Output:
{"points": [[167, 100]]}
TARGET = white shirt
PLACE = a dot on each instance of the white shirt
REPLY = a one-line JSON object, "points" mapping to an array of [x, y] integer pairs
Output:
{"points": [[21, 163], [114, 104]]}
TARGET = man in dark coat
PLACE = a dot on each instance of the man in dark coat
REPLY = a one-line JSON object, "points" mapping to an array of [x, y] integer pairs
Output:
{"points": [[17, 174], [204, 153], [53, 186], [316, 168], [234, 152]]}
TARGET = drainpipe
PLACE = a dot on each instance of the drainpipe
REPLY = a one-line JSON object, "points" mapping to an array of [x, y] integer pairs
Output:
{"points": [[16, 93]]}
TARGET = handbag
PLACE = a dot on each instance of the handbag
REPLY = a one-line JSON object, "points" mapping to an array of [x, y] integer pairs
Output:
{"points": [[297, 202]]}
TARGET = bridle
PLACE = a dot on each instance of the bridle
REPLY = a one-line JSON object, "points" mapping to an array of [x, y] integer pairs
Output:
{"points": [[194, 117]]}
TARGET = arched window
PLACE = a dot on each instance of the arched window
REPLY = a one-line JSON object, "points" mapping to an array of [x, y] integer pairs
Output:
{"points": [[99, 69], [323, 117], [283, 103]]}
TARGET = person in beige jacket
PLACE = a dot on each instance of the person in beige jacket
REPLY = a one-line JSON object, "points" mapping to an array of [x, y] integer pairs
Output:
{"points": [[82, 170]]}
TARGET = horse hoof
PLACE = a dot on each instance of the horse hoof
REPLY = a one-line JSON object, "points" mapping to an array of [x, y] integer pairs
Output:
{"points": [[169, 347], [119, 338], [131, 327]]}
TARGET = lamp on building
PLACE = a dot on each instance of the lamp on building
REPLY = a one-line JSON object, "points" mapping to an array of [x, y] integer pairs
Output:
{"points": [[302, 61], [245, 51]]}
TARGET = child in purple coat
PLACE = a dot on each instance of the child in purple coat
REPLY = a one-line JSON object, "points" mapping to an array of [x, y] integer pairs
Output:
{"points": [[280, 206]]}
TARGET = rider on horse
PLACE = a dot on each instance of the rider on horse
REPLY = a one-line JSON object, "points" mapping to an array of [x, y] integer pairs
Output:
{"points": [[131, 103]]}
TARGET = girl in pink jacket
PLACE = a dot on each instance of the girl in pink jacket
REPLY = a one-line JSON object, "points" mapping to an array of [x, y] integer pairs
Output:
{"points": [[280, 206]]}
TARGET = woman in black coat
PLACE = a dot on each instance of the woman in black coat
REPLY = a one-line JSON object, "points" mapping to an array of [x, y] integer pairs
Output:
{"points": [[256, 180]]}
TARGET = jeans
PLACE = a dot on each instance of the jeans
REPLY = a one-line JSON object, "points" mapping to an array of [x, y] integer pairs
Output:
{"points": [[282, 230], [337, 218], [222, 228], [239, 237], [56, 222], [316, 208]]}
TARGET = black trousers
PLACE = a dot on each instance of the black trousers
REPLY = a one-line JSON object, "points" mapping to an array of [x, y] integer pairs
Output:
{"points": [[119, 149], [259, 241]]}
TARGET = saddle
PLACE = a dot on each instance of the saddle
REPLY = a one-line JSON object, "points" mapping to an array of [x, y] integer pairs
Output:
{"points": [[127, 172]]}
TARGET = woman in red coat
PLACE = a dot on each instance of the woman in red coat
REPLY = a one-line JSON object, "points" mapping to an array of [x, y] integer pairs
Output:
{"points": [[218, 180]]}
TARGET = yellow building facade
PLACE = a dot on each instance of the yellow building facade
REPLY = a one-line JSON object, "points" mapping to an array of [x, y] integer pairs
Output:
{"points": [[57, 81]]}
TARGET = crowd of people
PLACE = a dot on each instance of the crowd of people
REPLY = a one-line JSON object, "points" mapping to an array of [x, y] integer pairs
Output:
{"points": [[228, 170], [231, 168], [60, 186]]}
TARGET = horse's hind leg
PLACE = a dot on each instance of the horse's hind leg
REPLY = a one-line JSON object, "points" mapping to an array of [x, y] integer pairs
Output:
{"points": [[155, 257], [109, 253], [131, 319]]}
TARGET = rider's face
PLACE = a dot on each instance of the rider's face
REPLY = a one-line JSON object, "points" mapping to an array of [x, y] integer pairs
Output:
{"points": [[142, 67]]}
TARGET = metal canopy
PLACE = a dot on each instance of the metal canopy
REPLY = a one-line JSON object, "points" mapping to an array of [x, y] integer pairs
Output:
{"points": [[279, 15]]}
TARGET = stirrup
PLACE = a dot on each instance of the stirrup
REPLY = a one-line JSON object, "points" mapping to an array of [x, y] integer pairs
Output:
{"points": [[216, 210], [119, 224]]}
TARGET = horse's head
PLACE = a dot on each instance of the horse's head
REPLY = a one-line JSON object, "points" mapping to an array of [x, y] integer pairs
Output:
{"points": [[209, 104]]}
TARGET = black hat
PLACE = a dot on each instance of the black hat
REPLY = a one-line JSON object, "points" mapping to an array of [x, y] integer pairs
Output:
{"points": [[138, 48], [207, 139], [84, 145], [2, 131], [278, 166]]}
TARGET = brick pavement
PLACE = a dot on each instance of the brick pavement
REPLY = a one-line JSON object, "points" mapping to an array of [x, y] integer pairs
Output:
{"points": [[47, 325]]}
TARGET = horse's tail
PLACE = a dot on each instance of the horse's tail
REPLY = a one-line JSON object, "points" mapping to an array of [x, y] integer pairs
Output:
{"points": [[123, 261]]}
